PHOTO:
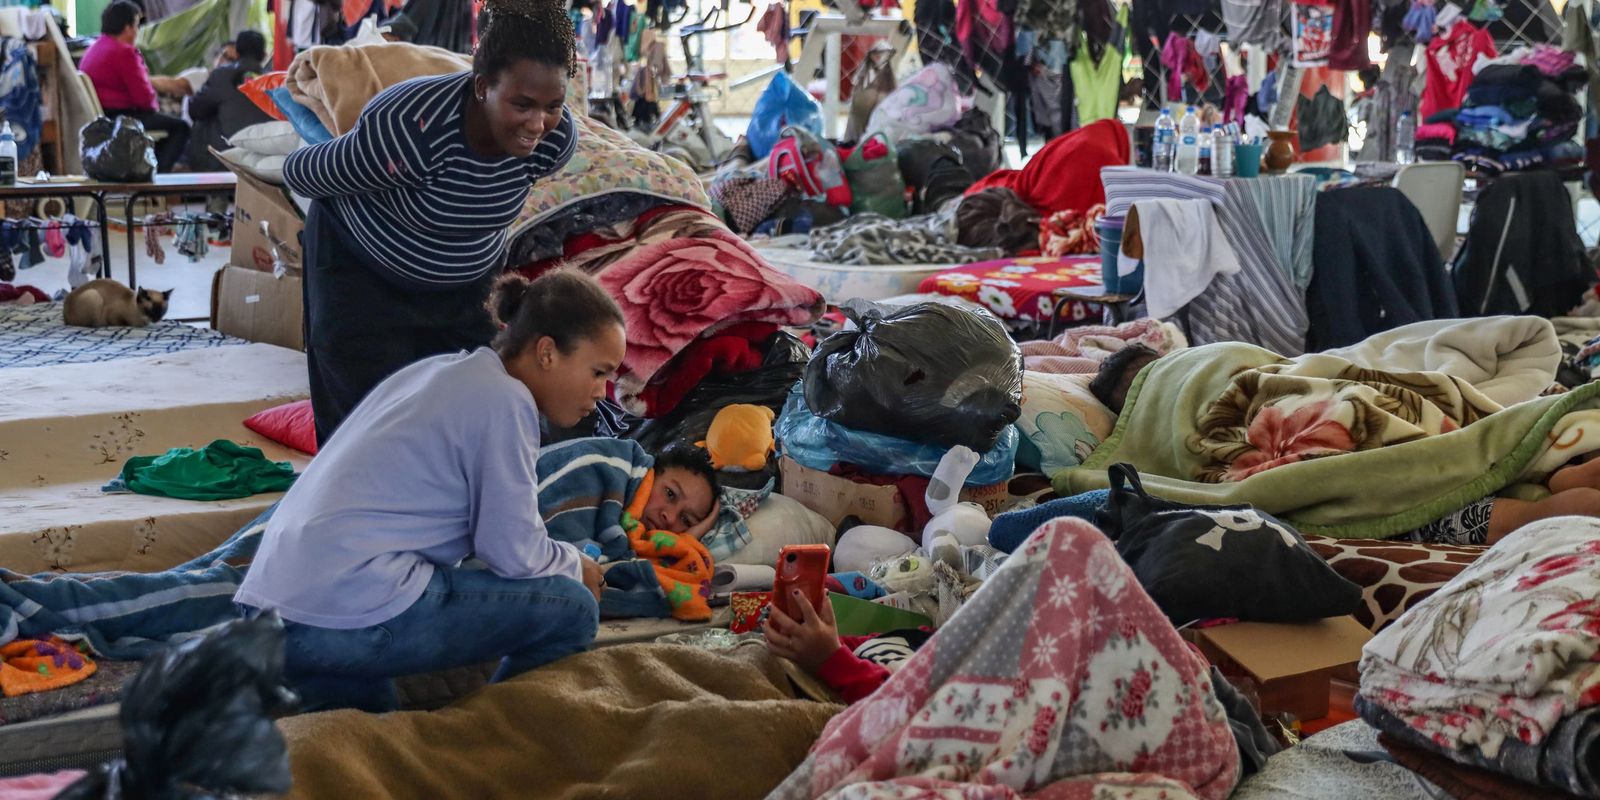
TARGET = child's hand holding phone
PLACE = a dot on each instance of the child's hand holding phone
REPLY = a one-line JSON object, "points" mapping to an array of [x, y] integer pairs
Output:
{"points": [[808, 641]]}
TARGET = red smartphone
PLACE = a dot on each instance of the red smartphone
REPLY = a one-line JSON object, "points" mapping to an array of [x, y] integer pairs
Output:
{"points": [[803, 567]]}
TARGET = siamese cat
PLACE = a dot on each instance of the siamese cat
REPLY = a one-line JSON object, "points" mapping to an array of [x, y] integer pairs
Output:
{"points": [[106, 303]]}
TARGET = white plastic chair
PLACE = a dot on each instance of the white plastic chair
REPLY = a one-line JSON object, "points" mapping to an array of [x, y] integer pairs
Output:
{"points": [[1435, 189]]}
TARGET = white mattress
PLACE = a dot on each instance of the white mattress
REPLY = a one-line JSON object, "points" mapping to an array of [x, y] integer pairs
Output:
{"points": [[841, 282], [67, 430]]}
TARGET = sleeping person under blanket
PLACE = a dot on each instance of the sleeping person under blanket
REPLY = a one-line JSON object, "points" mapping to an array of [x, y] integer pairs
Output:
{"points": [[441, 462], [1575, 488]]}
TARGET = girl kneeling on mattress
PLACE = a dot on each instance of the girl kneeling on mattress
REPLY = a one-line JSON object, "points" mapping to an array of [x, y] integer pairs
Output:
{"points": [[437, 464]]}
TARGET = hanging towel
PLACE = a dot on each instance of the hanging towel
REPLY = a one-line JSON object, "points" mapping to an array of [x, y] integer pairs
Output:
{"points": [[222, 470], [1183, 248]]}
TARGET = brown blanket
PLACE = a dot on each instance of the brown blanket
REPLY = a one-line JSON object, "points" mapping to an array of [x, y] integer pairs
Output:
{"points": [[336, 82], [637, 721]]}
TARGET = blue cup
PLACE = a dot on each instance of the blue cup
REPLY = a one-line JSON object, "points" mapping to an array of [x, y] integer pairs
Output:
{"points": [[1247, 159]]}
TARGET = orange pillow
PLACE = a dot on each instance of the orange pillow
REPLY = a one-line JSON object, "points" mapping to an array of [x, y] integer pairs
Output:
{"points": [[290, 425], [257, 89]]}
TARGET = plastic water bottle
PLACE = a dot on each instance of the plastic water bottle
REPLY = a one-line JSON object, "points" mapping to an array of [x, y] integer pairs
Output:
{"points": [[1222, 154], [1166, 140], [8, 156], [1187, 158], [1405, 139], [1206, 140]]}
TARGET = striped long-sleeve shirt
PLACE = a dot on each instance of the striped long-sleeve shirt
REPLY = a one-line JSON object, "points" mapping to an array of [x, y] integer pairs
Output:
{"points": [[415, 199]]}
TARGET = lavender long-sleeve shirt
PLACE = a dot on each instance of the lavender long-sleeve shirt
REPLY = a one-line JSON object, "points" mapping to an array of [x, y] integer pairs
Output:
{"points": [[435, 465]]}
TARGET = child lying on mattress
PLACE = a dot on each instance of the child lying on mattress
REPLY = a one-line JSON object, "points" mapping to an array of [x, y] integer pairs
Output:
{"points": [[1575, 488], [440, 463]]}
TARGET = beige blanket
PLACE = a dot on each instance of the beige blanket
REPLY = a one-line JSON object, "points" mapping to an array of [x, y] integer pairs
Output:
{"points": [[1509, 359], [336, 82], [642, 721]]}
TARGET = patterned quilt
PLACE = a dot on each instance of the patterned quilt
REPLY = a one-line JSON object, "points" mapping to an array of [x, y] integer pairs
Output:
{"points": [[35, 336], [1022, 288]]}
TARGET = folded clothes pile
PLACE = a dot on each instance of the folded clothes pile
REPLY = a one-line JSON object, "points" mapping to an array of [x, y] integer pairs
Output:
{"points": [[1520, 113], [1498, 669]]}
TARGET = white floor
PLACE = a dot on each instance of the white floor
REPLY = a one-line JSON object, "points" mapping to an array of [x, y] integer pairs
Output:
{"points": [[191, 281]]}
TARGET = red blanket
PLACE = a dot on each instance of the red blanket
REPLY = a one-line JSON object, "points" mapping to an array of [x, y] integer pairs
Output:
{"points": [[1065, 174], [729, 352], [676, 291]]}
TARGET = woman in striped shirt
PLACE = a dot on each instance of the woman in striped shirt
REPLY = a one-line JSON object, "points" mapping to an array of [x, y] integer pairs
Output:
{"points": [[410, 208]]}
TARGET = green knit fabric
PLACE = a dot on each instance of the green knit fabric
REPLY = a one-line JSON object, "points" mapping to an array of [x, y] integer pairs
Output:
{"points": [[222, 470]]}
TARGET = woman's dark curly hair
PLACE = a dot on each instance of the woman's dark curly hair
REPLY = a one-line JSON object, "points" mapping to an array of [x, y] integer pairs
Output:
{"points": [[512, 30]]}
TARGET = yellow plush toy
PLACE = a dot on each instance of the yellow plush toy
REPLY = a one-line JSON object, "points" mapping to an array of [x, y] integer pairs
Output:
{"points": [[740, 438]]}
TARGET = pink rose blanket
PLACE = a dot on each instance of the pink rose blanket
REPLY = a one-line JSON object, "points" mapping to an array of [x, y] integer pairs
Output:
{"points": [[1502, 656], [675, 291], [1059, 679]]}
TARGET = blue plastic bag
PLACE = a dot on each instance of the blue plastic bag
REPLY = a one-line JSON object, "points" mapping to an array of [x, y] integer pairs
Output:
{"points": [[782, 103], [819, 444]]}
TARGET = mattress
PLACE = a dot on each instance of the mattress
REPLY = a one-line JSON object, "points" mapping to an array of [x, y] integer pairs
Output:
{"points": [[67, 430], [841, 282], [35, 336]]}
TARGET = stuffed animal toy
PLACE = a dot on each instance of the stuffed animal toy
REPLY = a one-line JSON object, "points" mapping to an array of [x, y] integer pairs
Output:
{"points": [[740, 438]]}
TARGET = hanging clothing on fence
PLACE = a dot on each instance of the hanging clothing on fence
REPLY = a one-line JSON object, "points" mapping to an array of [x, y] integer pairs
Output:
{"points": [[191, 240], [1393, 95], [1450, 59], [155, 227], [1181, 60], [84, 262], [1352, 23], [1256, 22], [1096, 83]]}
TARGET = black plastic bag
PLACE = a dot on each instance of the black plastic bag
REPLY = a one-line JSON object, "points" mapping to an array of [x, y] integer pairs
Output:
{"points": [[767, 385], [928, 373], [118, 152], [197, 721]]}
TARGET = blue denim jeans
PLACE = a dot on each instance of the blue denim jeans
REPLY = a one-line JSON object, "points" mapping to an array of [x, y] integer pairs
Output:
{"points": [[465, 617]]}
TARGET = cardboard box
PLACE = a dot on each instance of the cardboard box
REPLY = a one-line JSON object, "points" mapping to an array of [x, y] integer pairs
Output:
{"points": [[266, 226], [258, 307], [1289, 667], [836, 498]]}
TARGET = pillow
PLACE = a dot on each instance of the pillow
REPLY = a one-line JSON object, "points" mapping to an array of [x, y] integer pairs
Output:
{"points": [[1217, 562], [1061, 422], [305, 121], [259, 90], [268, 139], [267, 168], [289, 425], [780, 522]]}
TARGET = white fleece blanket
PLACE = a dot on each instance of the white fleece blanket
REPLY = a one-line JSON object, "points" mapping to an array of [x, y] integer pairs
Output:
{"points": [[1509, 359]]}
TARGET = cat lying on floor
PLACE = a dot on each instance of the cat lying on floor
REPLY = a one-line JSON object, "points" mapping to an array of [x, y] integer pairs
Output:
{"points": [[105, 303]]}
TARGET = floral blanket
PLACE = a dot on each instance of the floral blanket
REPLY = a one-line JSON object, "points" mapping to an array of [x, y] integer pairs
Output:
{"points": [[1021, 288], [1059, 679], [1504, 651], [1279, 414], [675, 291], [1174, 426]]}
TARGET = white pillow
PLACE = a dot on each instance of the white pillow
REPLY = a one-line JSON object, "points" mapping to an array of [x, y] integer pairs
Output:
{"points": [[267, 168], [268, 139], [779, 522]]}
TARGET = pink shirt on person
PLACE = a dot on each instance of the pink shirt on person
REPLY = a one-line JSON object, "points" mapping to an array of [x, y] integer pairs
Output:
{"points": [[120, 76]]}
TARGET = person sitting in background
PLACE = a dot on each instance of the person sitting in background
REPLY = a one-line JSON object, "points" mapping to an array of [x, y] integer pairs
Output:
{"points": [[125, 86], [219, 109]]}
